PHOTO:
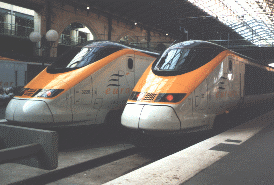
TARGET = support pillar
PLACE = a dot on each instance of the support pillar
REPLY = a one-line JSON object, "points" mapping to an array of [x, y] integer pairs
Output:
{"points": [[148, 38], [37, 28], [74, 37], [9, 23], [109, 27], [48, 27]]}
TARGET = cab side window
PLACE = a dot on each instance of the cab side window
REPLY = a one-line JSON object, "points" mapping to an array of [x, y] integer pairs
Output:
{"points": [[130, 63], [230, 67]]}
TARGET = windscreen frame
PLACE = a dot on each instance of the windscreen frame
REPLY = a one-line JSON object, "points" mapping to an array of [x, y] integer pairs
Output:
{"points": [[209, 50], [100, 51]]}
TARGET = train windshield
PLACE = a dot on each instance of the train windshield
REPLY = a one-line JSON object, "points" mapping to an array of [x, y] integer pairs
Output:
{"points": [[185, 57], [81, 56]]}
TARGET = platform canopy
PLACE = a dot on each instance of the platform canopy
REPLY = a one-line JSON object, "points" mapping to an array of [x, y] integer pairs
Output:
{"points": [[252, 19]]}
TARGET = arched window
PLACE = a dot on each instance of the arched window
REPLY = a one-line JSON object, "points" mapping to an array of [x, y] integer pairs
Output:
{"points": [[130, 63]]}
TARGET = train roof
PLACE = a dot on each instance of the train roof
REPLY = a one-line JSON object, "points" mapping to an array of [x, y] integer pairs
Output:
{"points": [[103, 43], [198, 42], [195, 43]]}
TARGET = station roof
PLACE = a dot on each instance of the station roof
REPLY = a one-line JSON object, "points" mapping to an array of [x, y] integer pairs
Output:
{"points": [[247, 22], [236, 24], [245, 26], [180, 19], [251, 19]]}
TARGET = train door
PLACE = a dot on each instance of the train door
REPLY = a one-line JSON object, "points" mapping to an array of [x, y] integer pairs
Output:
{"points": [[241, 79], [187, 113], [127, 82], [117, 87], [227, 85], [234, 79], [200, 104], [82, 103], [222, 85], [121, 81]]}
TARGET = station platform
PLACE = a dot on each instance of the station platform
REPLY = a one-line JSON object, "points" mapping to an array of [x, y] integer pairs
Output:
{"points": [[242, 155]]}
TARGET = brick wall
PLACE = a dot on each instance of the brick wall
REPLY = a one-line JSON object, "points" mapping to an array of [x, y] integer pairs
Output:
{"points": [[63, 15]]}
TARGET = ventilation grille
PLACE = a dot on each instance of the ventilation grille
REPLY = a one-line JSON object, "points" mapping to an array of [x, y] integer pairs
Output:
{"points": [[149, 97]]}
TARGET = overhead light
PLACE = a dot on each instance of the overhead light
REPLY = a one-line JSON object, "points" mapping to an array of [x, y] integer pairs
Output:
{"points": [[135, 23], [166, 34], [87, 7]]}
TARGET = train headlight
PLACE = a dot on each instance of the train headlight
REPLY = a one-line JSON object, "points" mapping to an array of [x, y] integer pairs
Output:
{"points": [[134, 95], [170, 97], [141, 96], [47, 93]]}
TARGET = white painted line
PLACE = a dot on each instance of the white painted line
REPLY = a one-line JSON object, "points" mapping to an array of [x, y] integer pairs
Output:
{"points": [[181, 166]]}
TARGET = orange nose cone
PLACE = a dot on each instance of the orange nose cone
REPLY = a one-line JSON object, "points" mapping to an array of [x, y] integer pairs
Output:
{"points": [[169, 97]]}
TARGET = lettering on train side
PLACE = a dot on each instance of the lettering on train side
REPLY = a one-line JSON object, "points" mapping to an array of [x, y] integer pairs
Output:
{"points": [[115, 78], [226, 94], [114, 86], [108, 90], [116, 90]]}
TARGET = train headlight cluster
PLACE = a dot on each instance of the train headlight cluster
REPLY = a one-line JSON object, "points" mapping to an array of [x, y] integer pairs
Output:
{"points": [[170, 97], [47, 93], [43, 93], [134, 95], [21, 91], [162, 97], [141, 96]]}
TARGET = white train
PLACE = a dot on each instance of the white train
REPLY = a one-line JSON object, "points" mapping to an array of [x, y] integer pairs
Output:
{"points": [[190, 84], [81, 87]]}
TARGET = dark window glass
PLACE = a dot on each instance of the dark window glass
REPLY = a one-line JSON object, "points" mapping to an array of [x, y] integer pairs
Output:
{"points": [[185, 57], [130, 63], [24, 24], [258, 80], [81, 56], [230, 65]]}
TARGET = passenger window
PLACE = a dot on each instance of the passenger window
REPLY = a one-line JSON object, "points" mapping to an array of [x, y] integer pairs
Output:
{"points": [[130, 63], [230, 65]]}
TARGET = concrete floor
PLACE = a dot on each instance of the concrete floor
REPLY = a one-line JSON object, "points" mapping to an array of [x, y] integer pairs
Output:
{"points": [[14, 173], [241, 155]]}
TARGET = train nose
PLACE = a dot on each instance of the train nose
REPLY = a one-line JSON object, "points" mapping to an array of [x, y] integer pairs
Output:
{"points": [[23, 110], [150, 117]]}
